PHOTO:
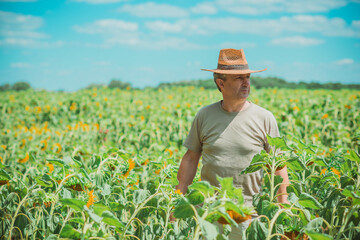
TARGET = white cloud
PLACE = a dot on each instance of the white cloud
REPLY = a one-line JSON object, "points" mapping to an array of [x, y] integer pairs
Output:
{"points": [[100, 1], [184, 26], [16, 24], [23, 30], [22, 42], [151, 9], [147, 42], [356, 24], [25, 34], [204, 8], [344, 61], [171, 43], [268, 27], [161, 26], [259, 7], [20, 65], [116, 32], [113, 41], [107, 26], [121, 33], [296, 41]]}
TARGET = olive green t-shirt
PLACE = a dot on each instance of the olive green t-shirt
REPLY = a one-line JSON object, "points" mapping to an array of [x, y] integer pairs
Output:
{"points": [[228, 141]]}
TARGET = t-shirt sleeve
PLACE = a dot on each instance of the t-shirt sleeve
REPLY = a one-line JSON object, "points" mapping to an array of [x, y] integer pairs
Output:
{"points": [[193, 141], [271, 129]]}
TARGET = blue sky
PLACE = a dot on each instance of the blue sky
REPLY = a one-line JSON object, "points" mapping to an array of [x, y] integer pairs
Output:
{"points": [[68, 44]]}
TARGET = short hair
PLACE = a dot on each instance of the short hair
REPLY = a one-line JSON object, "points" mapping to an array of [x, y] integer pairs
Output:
{"points": [[221, 76]]}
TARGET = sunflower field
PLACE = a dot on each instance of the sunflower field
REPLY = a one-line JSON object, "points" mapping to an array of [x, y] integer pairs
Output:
{"points": [[102, 164]]}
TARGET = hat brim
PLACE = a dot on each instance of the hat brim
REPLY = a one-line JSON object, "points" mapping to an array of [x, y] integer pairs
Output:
{"points": [[233, 71]]}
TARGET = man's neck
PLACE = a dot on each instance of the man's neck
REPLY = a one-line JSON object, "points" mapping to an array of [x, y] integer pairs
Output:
{"points": [[234, 105]]}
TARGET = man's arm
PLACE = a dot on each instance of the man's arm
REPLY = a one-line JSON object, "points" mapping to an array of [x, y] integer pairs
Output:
{"points": [[187, 170], [284, 174]]}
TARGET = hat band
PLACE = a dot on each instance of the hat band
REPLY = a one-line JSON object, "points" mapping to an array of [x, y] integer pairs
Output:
{"points": [[233, 67]]}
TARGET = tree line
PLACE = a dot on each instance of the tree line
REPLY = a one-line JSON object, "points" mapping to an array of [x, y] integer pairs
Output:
{"points": [[257, 82], [20, 86], [266, 82]]}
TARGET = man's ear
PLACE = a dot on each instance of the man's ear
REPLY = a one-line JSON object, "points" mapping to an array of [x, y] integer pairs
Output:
{"points": [[220, 83]]}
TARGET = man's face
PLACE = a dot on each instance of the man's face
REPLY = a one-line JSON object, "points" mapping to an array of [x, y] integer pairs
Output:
{"points": [[236, 86]]}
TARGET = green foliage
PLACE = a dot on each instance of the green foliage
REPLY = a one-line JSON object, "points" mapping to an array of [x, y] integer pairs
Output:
{"points": [[5, 87], [118, 84], [75, 204], [19, 86], [265, 82], [103, 164], [95, 85], [207, 84]]}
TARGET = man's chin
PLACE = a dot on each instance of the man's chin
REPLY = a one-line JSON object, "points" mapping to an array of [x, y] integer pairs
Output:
{"points": [[243, 97], [244, 94]]}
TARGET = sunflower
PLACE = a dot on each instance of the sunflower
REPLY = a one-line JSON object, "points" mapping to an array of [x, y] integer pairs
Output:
{"points": [[25, 159], [145, 162], [325, 116], [51, 167], [23, 141], [44, 145], [91, 200], [178, 191], [236, 216], [59, 148], [169, 151], [336, 172], [131, 167]]}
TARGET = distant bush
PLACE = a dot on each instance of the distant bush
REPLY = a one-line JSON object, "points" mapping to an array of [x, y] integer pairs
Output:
{"points": [[18, 86], [265, 82], [95, 85], [5, 87], [118, 84], [207, 84]]}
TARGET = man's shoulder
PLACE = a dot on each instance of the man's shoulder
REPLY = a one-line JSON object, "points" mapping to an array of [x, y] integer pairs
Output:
{"points": [[261, 111], [209, 108]]}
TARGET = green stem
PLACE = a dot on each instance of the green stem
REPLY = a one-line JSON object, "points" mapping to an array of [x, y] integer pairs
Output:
{"points": [[52, 209], [18, 209], [358, 177], [84, 228], [332, 221], [198, 228], [272, 222], [282, 236], [66, 219], [272, 187], [138, 209], [348, 216], [102, 163]]}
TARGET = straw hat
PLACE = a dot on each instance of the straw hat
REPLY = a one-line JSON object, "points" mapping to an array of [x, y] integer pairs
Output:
{"points": [[232, 61]]}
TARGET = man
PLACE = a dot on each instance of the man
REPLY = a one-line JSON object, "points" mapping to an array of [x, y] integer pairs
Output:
{"points": [[229, 133]]}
